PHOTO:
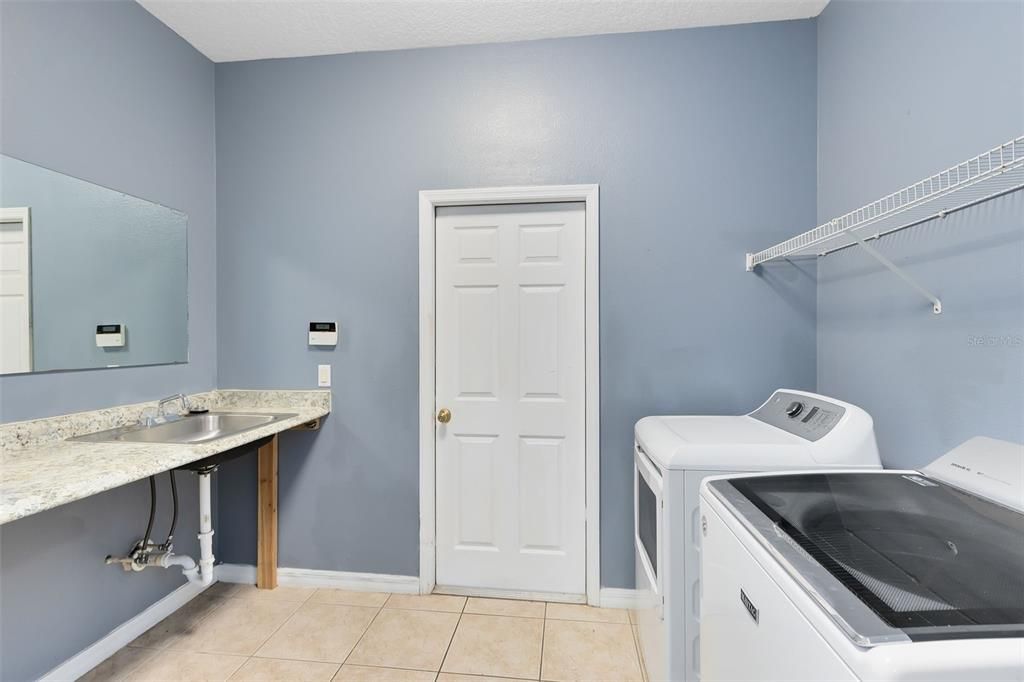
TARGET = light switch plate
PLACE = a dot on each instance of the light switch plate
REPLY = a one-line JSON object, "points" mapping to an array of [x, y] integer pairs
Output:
{"points": [[323, 376]]}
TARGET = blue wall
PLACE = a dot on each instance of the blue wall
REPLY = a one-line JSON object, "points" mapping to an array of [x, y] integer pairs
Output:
{"points": [[105, 92], [100, 256], [118, 99], [906, 89], [703, 142]]}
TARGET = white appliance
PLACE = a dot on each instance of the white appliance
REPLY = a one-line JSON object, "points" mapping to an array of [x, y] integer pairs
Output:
{"points": [[791, 430], [885, 575]]}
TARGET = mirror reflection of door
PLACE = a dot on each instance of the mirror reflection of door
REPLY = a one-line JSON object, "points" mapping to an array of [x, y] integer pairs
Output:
{"points": [[97, 256], [15, 291]]}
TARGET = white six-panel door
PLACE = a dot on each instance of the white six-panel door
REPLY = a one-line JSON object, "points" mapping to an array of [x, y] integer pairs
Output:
{"points": [[15, 291], [510, 351]]}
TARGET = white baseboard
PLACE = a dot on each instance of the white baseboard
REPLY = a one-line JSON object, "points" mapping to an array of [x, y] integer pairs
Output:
{"points": [[611, 597], [363, 582], [90, 657], [310, 577], [618, 598]]}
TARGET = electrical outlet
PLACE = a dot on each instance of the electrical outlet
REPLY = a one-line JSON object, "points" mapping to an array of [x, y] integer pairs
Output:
{"points": [[323, 376]]}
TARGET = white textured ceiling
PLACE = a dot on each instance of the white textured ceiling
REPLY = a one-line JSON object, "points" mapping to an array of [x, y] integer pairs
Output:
{"points": [[234, 30]]}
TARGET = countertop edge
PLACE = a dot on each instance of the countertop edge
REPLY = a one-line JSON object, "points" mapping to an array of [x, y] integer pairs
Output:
{"points": [[164, 457]]}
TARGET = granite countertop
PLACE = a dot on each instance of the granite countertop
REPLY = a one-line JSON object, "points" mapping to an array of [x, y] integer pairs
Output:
{"points": [[40, 469]]}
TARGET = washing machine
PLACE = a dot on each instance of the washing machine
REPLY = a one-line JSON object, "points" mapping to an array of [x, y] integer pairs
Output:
{"points": [[853, 575], [672, 456]]}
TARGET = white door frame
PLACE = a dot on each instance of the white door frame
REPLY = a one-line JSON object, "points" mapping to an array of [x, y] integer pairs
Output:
{"points": [[23, 215], [429, 201]]}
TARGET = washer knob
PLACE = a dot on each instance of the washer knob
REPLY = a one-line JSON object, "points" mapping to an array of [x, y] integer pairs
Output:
{"points": [[794, 409]]}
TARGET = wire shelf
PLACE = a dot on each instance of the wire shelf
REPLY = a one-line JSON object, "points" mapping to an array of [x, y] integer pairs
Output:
{"points": [[993, 173]]}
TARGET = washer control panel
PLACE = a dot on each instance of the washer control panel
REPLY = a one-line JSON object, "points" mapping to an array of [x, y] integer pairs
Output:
{"points": [[804, 416]]}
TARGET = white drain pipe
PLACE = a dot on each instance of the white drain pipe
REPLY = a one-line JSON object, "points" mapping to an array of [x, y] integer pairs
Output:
{"points": [[203, 573], [187, 563], [205, 529]]}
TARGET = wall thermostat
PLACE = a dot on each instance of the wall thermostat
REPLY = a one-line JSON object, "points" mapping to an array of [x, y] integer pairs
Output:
{"points": [[110, 335], [323, 333]]}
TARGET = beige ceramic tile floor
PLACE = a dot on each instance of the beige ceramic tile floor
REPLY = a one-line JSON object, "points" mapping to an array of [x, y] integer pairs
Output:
{"points": [[236, 632]]}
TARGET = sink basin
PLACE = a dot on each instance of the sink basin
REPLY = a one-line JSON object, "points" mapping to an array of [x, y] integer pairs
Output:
{"points": [[193, 428]]}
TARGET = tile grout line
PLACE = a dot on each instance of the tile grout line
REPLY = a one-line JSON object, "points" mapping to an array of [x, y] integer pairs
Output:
{"points": [[492, 615], [636, 647], [288, 659], [498, 675], [138, 664], [306, 660], [373, 620], [592, 620], [222, 601], [481, 675], [451, 639], [278, 628], [240, 666], [380, 609], [184, 606], [543, 633]]}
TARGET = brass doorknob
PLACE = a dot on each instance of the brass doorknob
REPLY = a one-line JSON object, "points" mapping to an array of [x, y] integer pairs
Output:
{"points": [[444, 416]]}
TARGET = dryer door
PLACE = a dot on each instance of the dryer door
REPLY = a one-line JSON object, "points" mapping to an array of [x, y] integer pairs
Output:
{"points": [[648, 486]]}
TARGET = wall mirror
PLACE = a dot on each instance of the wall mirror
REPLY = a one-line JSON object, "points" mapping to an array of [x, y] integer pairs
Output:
{"points": [[89, 277]]}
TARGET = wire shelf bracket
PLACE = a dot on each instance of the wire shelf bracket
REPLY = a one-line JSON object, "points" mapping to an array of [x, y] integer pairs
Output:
{"points": [[895, 269], [990, 174]]}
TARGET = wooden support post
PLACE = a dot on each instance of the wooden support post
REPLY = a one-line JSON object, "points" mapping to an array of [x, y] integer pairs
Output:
{"points": [[266, 524]]}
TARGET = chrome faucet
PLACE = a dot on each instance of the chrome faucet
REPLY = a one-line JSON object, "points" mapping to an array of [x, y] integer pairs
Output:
{"points": [[170, 399]]}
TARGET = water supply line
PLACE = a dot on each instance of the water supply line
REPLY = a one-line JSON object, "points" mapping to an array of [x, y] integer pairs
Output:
{"points": [[174, 509], [152, 511], [146, 553]]}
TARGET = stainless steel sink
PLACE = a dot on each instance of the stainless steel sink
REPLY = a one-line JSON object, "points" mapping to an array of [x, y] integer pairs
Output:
{"points": [[193, 428]]}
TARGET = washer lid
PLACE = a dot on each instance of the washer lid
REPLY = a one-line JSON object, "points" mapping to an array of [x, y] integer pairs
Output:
{"points": [[927, 558], [720, 443], [990, 468], [708, 430], [791, 430]]}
